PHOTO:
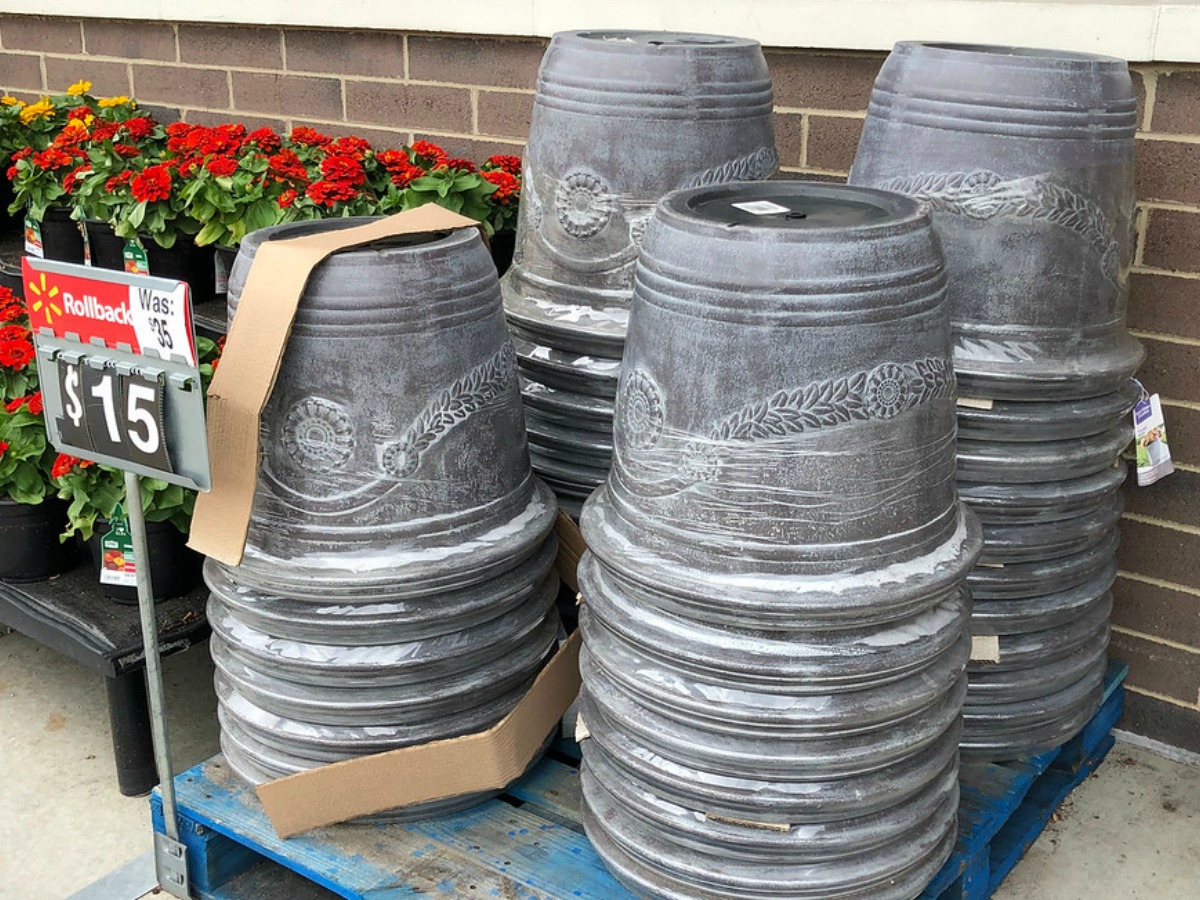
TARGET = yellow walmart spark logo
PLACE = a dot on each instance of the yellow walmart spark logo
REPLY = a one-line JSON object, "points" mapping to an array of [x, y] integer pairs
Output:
{"points": [[44, 298]]}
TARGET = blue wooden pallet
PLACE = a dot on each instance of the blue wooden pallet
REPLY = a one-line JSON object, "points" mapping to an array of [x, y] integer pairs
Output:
{"points": [[1004, 807], [529, 843]]}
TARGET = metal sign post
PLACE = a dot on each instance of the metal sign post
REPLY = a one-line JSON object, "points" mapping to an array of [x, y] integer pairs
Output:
{"points": [[121, 386]]}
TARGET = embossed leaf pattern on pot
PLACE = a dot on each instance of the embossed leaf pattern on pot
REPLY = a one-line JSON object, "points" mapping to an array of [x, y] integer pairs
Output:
{"points": [[642, 413]]}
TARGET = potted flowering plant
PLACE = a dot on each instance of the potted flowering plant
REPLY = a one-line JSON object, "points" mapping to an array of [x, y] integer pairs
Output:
{"points": [[94, 492], [30, 515]]}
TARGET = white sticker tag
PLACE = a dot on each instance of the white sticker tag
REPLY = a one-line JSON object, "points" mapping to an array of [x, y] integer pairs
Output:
{"points": [[160, 320], [975, 402], [1150, 441], [761, 208], [581, 730], [985, 648], [220, 275]]}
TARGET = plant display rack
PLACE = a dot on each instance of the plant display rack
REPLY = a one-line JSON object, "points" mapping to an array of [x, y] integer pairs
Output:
{"points": [[529, 843]]}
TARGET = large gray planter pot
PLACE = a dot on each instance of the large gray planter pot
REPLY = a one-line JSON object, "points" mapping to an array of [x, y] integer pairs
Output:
{"points": [[620, 119], [775, 633], [1026, 159], [398, 585]]}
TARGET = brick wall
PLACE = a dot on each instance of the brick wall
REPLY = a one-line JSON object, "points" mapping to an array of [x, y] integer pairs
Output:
{"points": [[474, 95]]}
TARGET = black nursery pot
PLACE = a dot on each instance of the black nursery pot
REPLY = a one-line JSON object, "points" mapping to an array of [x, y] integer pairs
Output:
{"points": [[29, 546], [61, 237], [502, 245], [174, 567], [183, 261], [106, 248], [10, 224]]}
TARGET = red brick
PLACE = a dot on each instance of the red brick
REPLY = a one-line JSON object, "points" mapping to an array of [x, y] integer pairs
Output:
{"points": [[1162, 721], [789, 138], [1157, 611], [107, 78], [1170, 369], [235, 45], [832, 142], [20, 71], [1165, 304], [486, 61], [468, 148], [504, 113], [1139, 87], [1168, 170], [288, 95], [129, 40], [1183, 428], [47, 35], [1174, 499], [1177, 103], [1164, 670], [1172, 240], [1163, 553], [174, 85], [822, 81], [373, 53], [410, 106]]}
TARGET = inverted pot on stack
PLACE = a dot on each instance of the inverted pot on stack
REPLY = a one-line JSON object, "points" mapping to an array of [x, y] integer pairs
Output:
{"points": [[398, 583], [620, 119], [775, 627], [1026, 159]]}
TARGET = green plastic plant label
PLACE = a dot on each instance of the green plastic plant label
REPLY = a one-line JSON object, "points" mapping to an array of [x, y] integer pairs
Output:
{"points": [[1150, 441], [33, 237], [220, 275], [87, 244], [117, 565], [135, 258]]}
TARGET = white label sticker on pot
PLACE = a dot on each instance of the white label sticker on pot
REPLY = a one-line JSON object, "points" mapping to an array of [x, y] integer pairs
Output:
{"points": [[975, 402], [761, 208], [985, 648]]}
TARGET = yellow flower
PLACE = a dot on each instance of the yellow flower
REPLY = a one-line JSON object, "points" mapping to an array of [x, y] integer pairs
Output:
{"points": [[107, 102], [10, 101], [79, 87], [42, 109]]}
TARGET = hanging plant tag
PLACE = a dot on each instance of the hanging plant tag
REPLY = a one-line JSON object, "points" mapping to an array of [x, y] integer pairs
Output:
{"points": [[1150, 441], [117, 565], [33, 237], [135, 258], [87, 243], [220, 275]]}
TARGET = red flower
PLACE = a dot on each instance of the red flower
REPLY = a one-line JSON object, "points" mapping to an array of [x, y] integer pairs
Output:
{"points": [[286, 199], [310, 137], [13, 405], [464, 165], [327, 193], [14, 333], [104, 131], [343, 169], [510, 164], [265, 139], [3, 446], [11, 174], [286, 164], [179, 129], [79, 112], [117, 181], [53, 158], [430, 151], [72, 177], [139, 128], [35, 403], [350, 146], [63, 464], [15, 354], [128, 151], [222, 166], [403, 177], [507, 186], [153, 183], [393, 160], [19, 155]]}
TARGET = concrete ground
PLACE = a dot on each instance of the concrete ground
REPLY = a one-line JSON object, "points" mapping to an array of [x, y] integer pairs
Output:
{"points": [[1131, 832]]}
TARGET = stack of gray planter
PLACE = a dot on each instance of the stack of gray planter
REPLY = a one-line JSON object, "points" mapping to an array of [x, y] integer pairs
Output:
{"points": [[775, 627], [398, 584], [619, 120], [1026, 159]]}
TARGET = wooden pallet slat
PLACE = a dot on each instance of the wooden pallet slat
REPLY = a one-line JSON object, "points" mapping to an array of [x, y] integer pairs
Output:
{"points": [[529, 843]]}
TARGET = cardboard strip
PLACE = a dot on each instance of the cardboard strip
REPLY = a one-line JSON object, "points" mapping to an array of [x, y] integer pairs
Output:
{"points": [[250, 364], [571, 548], [485, 761]]}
